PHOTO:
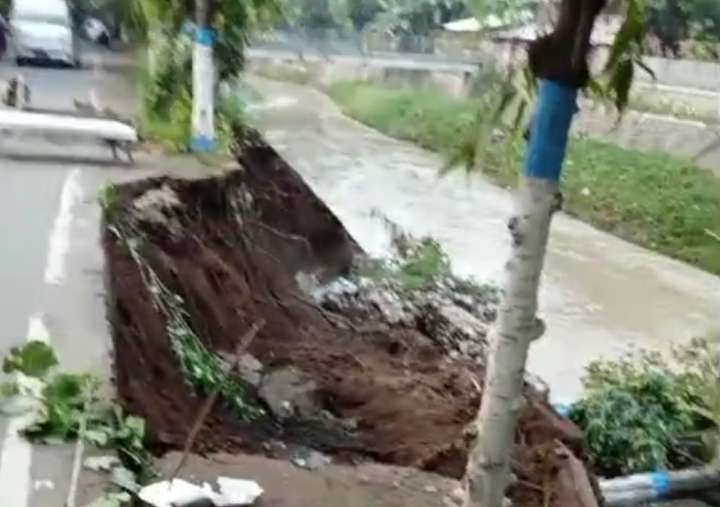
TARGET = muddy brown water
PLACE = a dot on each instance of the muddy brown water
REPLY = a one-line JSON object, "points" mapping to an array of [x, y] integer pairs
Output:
{"points": [[231, 250], [600, 296]]}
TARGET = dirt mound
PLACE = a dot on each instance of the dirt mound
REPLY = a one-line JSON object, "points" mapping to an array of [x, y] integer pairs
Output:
{"points": [[230, 249]]}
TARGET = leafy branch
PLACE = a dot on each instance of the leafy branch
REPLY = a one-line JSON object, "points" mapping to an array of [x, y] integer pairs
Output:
{"points": [[202, 369], [511, 101], [66, 406]]}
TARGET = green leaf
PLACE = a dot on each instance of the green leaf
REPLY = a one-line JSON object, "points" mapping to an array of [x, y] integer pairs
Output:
{"points": [[101, 463], [631, 34], [68, 388], [98, 437], [8, 389], [621, 83], [136, 425], [34, 359], [596, 89]]}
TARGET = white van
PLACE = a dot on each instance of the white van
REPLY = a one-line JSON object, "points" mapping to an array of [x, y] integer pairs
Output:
{"points": [[42, 30]]}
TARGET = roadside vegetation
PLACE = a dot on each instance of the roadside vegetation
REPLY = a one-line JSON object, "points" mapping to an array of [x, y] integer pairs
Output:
{"points": [[166, 84], [166, 77], [641, 414], [62, 407], [661, 202], [420, 264]]}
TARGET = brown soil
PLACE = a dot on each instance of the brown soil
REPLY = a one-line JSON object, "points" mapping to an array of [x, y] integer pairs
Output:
{"points": [[234, 261]]}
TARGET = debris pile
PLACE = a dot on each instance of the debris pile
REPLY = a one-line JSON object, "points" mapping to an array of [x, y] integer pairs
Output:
{"points": [[346, 366]]}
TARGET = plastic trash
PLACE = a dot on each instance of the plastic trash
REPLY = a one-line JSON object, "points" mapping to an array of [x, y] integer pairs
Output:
{"points": [[238, 491], [232, 493], [164, 494]]}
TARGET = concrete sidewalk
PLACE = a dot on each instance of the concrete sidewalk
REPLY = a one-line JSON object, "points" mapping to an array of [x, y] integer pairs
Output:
{"points": [[286, 485]]}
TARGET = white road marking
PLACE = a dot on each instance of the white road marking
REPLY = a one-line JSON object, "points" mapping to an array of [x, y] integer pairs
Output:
{"points": [[37, 330], [43, 484], [97, 64], [15, 465], [16, 452], [71, 195], [16, 456]]}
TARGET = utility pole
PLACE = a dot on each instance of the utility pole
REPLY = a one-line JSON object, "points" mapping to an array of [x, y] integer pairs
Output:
{"points": [[203, 117]]}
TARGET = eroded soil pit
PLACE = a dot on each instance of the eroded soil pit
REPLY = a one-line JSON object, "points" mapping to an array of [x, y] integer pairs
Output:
{"points": [[363, 387]]}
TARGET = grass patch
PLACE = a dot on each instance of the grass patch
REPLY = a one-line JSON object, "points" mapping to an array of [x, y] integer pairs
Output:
{"points": [[430, 119], [664, 203]]}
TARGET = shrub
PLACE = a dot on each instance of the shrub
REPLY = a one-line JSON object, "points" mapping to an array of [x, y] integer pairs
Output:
{"points": [[640, 414], [167, 97]]}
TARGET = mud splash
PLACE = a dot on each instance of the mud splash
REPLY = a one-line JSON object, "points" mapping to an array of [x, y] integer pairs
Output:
{"points": [[231, 248]]}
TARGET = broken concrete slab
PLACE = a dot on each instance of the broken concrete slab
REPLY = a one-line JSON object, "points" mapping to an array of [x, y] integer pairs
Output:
{"points": [[248, 367], [289, 393]]}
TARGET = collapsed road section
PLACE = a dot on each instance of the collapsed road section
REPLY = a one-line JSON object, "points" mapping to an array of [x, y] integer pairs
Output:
{"points": [[359, 371]]}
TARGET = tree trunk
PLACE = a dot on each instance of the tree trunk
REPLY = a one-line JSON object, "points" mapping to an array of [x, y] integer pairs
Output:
{"points": [[203, 117], [560, 61], [517, 327]]}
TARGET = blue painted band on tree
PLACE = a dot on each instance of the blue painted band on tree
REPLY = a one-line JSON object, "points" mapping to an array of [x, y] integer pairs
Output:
{"points": [[550, 129], [202, 144], [204, 36], [661, 483]]}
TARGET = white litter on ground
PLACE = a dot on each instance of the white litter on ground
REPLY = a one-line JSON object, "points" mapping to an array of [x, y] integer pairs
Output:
{"points": [[232, 493], [238, 491], [162, 494]]}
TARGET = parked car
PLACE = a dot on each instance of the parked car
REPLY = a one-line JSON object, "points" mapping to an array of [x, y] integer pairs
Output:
{"points": [[42, 30], [95, 30]]}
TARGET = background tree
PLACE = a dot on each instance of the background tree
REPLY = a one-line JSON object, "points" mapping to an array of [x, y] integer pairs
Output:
{"points": [[233, 23], [418, 17], [363, 12], [168, 29], [675, 21], [668, 21]]}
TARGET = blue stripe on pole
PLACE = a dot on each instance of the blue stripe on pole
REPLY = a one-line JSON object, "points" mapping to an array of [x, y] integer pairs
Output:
{"points": [[202, 144], [549, 130], [204, 36], [661, 483]]}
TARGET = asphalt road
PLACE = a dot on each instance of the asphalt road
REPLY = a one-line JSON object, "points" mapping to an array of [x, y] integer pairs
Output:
{"points": [[50, 263]]}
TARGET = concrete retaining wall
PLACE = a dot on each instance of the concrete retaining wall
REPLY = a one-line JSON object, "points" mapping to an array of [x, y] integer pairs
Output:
{"points": [[451, 80], [685, 138], [683, 73]]}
